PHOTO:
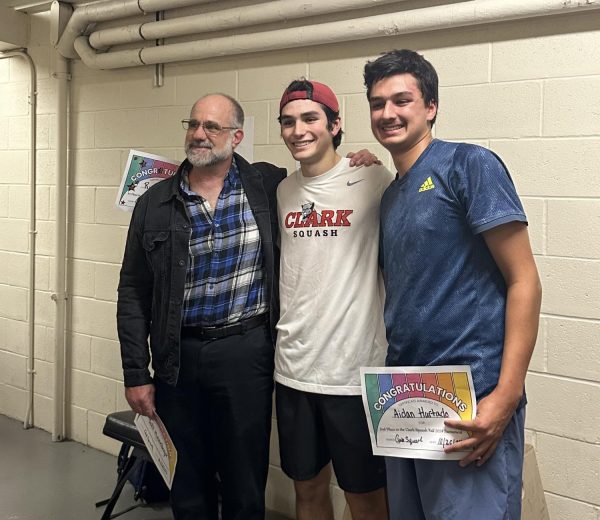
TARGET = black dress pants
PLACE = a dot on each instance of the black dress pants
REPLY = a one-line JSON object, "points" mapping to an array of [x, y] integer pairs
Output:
{"points": [[219, 417]]}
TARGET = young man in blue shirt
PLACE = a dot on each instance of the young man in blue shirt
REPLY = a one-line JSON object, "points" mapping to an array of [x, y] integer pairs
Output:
{"points": [[462, 288]]}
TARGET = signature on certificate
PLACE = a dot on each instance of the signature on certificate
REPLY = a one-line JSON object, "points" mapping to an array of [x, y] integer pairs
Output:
{"points": [[408, 440]]}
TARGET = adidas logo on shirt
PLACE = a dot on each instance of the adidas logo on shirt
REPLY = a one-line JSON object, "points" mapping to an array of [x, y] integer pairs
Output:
{"points": [[427, 185]]}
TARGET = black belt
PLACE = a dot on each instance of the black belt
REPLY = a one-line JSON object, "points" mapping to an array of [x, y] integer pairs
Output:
{"points": [[223, 331]]}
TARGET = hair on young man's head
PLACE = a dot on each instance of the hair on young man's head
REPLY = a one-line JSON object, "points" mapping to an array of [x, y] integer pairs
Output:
{"points": [[404, 61], [305, 85]]}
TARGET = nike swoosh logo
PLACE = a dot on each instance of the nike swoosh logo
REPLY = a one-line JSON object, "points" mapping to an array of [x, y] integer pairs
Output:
{"points": [[353, 183]]}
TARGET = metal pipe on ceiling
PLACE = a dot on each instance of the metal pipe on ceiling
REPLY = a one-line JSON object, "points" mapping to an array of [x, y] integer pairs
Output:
{"points": [[246, 16], [112, 10], [416, 20]]}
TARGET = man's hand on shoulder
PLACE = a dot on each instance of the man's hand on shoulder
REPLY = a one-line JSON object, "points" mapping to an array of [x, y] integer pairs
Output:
{"points": [[363, 158], [141, 399], [494, 412]]}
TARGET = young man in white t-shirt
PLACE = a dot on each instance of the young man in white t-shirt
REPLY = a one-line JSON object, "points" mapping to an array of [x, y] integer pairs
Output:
{"points": [[331, 320]]}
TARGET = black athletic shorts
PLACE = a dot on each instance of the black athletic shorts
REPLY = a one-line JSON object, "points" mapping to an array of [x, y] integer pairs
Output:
{"points": [[317, 428]]}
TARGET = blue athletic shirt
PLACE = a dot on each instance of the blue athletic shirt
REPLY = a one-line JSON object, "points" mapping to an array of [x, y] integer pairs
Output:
{"points": [[445, 296]]}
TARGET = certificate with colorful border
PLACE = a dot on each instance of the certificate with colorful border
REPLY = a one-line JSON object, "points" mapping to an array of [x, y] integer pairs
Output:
{"points": [[406, 408], [159, 445], [142, 170]]}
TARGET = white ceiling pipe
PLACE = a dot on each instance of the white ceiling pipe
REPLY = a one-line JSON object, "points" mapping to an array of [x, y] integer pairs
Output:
{"points": [[274, 11], [406, 22], [151, 6], [109, 60], [83, 16], [112, 10]]}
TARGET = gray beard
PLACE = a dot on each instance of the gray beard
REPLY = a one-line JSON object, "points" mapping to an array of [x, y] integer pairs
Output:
{"points": [[200, 160]]}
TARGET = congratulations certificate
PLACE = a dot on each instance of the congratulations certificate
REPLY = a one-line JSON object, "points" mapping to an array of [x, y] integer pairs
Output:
{"points": [[159, 445], [406, 408], [142, 170]]}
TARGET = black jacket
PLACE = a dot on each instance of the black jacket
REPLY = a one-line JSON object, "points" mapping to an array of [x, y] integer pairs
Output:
{"points": [[151, 285]]}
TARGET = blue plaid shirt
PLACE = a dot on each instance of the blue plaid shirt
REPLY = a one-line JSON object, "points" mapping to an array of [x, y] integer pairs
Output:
{"points": [[225, 280]]}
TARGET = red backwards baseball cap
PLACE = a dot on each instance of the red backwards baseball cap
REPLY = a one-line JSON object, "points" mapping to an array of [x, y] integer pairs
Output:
{"points": [[320, 93]]}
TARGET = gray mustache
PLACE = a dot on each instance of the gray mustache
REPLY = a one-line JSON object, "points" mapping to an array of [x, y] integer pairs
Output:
{"points": [[199, 144]]}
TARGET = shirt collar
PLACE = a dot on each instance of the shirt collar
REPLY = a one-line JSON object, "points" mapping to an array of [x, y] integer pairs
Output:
{"points": [[232, 179]]}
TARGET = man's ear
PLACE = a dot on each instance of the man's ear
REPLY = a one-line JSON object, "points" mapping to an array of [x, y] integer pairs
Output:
{"points": [[431, 111], [238, 135], [336, 127]]}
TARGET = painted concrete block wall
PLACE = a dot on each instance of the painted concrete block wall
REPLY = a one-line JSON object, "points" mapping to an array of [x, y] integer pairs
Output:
{"points": [[527, 89]]}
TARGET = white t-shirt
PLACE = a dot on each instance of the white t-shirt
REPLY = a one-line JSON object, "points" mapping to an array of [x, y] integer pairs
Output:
{"points": [[331, 291]]}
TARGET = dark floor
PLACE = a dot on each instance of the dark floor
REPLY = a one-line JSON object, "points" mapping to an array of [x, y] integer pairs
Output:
{"points": [[45, 480]]}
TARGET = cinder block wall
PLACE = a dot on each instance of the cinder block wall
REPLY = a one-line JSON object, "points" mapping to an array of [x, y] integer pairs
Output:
{"points": [[528, 89]]}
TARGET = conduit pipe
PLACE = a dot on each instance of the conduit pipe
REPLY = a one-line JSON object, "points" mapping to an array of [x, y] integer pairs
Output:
{"points": [[28, 422], [406, 22], [61, 75], [112, 10], [274, 11]]}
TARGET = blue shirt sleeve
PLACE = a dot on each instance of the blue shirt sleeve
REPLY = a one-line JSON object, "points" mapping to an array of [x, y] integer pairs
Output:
{"points": [[484, 188]]}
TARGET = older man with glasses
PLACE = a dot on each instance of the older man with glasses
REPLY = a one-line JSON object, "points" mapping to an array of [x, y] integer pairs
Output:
{"points": [[198, 279]]}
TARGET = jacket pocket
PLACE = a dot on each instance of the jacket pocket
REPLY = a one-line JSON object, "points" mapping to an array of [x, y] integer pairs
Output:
{"points": [[156, 244], [153, 239]]}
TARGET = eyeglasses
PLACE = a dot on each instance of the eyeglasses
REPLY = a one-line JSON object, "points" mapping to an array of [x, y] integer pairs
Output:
{"points": [[210, 127]]}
